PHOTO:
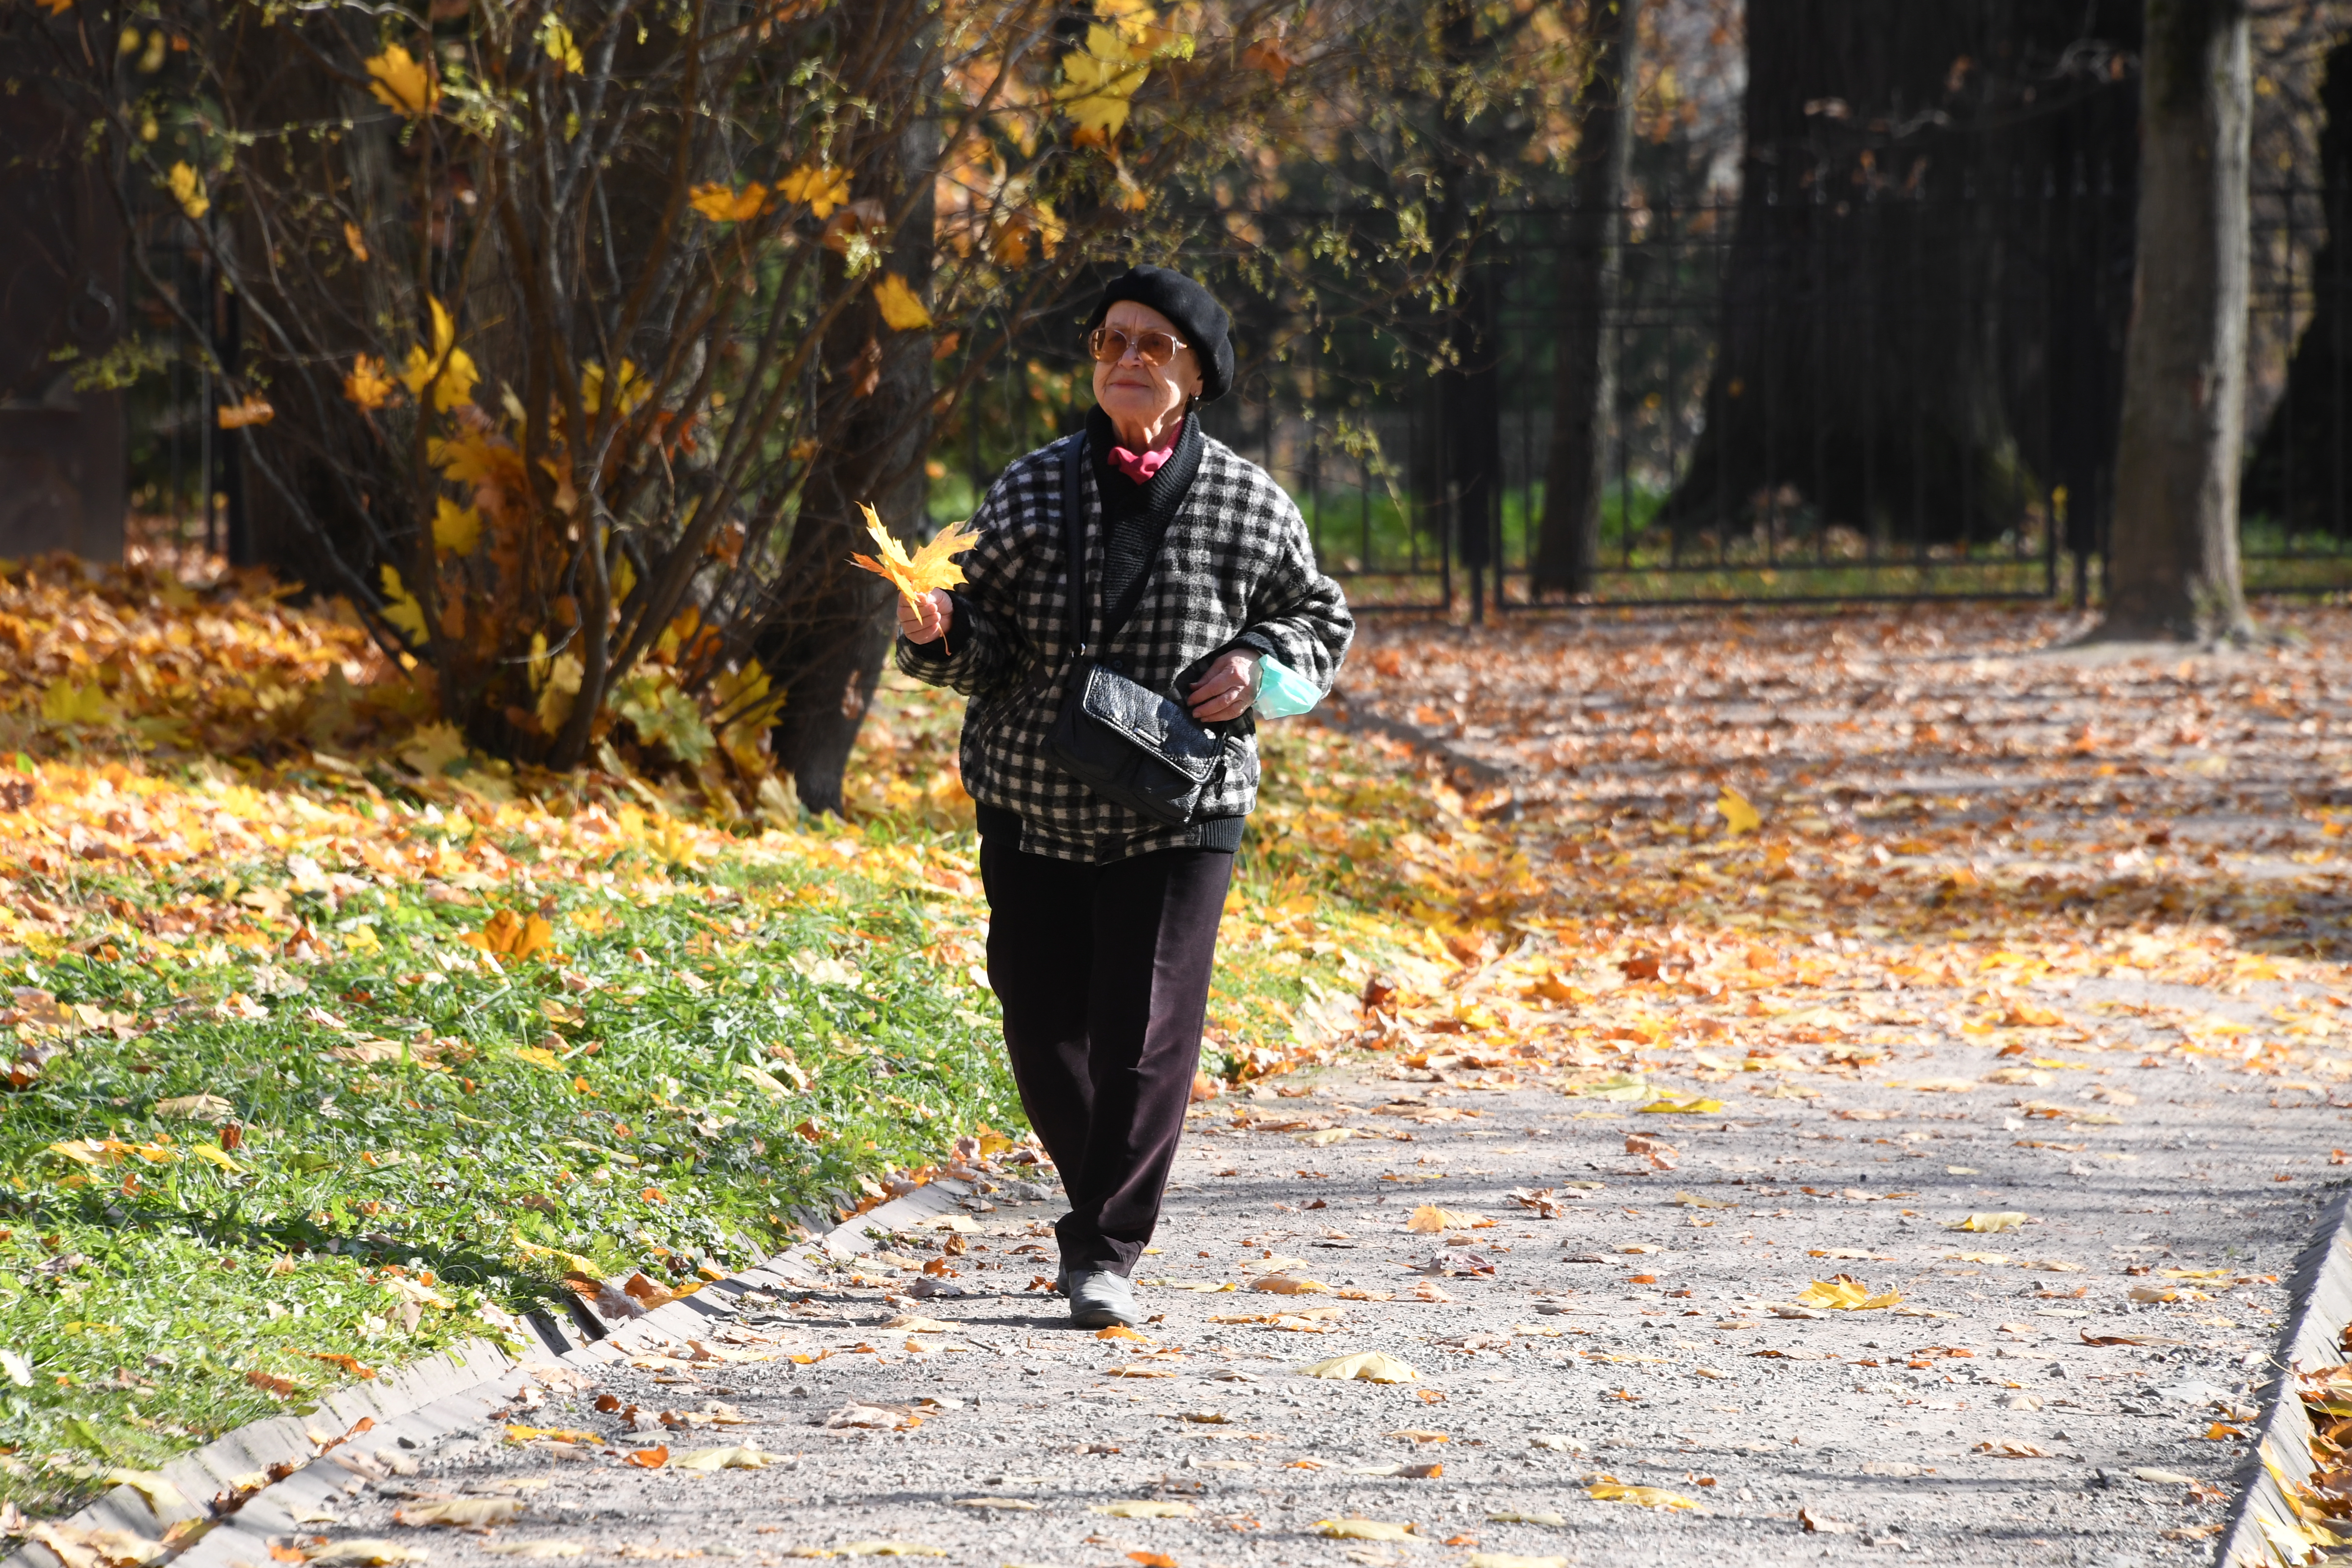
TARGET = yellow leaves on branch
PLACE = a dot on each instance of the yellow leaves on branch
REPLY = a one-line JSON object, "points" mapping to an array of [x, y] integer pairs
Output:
{"points": [[724, 204], [818, 188], [928, 568], [401, 610], [188, 190], [401, 83], [901, 311], [1098, 81], [367, 386], [448, 370], [457, 530], [633, 389]]}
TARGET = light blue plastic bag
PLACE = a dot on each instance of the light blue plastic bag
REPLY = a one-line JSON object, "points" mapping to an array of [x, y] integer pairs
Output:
{"points": [[1282, 691]]}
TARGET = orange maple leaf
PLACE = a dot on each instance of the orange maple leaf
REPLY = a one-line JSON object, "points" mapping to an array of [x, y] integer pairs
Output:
{"points": [[928, 568]]}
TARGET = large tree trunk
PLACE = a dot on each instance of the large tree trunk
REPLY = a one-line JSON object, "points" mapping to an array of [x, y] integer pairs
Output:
{"points": [[1884, 359], [2173, 568], [1584, 385], [2301, 469], [1467, 477], [830, 636]]}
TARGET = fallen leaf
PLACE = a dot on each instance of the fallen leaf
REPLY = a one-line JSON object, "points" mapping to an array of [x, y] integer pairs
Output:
{"points": [[651, 1459], [1368, 1366], [1428, 1220], [1987, 1223], [2009, 1450], [463, 1512], [1022, 1505], [1363, 1529], [887, 1549], [1608, 1488], [1521, 1516], [533, 1550], [741, 1456], [1815, 1524], [364, 1554], [1844, 1293], [1144, 1507]]}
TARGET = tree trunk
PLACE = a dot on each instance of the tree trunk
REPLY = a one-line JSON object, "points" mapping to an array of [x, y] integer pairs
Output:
{"points": [[1467, 477], [1905, 229], [1584, 385], [2173, 568], [830, 639], [2301, 474]]}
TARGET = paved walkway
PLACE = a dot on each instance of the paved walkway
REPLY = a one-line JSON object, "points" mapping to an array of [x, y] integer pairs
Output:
{"points": [[1614, 1353]]}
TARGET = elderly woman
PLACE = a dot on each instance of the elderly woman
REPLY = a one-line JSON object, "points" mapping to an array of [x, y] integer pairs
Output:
{"points": [[1111, 746]]}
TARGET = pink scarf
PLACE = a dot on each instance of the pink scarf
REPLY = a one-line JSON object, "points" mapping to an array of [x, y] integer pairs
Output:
{"points": [[1141, 466]]}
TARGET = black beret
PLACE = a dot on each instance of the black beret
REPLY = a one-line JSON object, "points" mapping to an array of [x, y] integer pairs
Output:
{"points": [[1200, 320]]}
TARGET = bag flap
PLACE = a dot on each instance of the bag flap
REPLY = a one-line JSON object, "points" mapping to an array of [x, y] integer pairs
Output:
{"points": [[1152, 722]]}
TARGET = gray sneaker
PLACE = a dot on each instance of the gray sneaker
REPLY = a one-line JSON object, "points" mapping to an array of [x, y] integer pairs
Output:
{"points": [[1099, 1299]]}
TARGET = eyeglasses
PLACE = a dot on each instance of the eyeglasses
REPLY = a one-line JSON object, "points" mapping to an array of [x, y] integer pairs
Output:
{"points": [[1110, 345]]}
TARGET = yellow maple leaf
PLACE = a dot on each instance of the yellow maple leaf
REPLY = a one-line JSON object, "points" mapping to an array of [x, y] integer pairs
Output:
{"points": [[1738, 816], [1098, 80], [356, 240], [820, 189], [188, 190], [457, 529], [901, 311], [401, 83], [926, 569], [448, 369], [721, 204], [367, 386], [401, 610]]}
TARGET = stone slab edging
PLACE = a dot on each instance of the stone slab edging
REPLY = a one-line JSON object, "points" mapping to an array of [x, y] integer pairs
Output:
{"points": [[415, 1408], [2321, 1289]]}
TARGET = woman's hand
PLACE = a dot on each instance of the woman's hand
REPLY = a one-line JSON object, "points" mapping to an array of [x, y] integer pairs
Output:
{"points": [[1227, 690], [928, 620]]}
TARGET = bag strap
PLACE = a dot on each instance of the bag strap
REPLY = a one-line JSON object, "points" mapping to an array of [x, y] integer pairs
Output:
{"points": [[1074, 529]]}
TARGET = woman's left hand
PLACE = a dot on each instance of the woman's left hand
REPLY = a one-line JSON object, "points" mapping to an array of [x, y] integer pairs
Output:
{"points": [[1227, 690]]}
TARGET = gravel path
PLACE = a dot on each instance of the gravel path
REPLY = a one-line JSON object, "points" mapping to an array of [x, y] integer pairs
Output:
{"points": [[1638, 1338]]}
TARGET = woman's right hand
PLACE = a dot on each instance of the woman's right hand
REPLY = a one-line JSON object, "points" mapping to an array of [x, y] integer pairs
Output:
{"points": [[926, 620]]}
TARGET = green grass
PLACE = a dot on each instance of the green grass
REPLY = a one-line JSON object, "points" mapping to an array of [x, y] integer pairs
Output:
{"points": [[736, 1034], [160, 1298]]}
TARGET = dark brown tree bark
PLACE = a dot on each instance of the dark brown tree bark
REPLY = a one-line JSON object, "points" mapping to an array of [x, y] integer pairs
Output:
{"points": [[829, 640], [1890, 299], [1584, 385], [2301, 473], [2173, 563]]}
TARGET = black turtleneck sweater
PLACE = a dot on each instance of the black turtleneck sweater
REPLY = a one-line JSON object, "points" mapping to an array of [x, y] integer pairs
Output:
{"points": [[1134, 516]]}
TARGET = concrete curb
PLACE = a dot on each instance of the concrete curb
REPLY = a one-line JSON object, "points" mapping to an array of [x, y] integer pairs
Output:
{"points": [[2321, 1289], [415, 1408]]}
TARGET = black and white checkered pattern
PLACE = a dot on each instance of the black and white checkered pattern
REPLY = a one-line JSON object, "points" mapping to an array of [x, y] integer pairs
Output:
{"points": [[1236, 570]]}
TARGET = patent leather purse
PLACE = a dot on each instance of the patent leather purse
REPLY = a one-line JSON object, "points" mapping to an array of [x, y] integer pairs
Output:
{"points": [[1119, 738]]}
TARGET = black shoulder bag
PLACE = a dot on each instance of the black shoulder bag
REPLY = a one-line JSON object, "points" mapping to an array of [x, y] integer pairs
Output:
{"points": [[1120, 739]]}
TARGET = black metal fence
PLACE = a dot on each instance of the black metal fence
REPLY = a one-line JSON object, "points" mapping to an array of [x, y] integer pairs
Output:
{"points": [[1913, 440]]}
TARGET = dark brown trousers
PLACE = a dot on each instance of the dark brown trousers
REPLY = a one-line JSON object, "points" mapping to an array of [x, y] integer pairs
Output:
{"points": [[1103, 971]]}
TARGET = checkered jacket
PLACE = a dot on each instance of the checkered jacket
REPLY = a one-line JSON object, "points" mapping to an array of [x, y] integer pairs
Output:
{"points": [[1235, 569]]}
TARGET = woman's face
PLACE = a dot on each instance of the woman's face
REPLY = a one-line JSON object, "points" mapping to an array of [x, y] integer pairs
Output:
{"points": [[1142, 399]]}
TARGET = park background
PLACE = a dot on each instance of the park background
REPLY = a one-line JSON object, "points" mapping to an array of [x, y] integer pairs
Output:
{"points": [[464, 856]]}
